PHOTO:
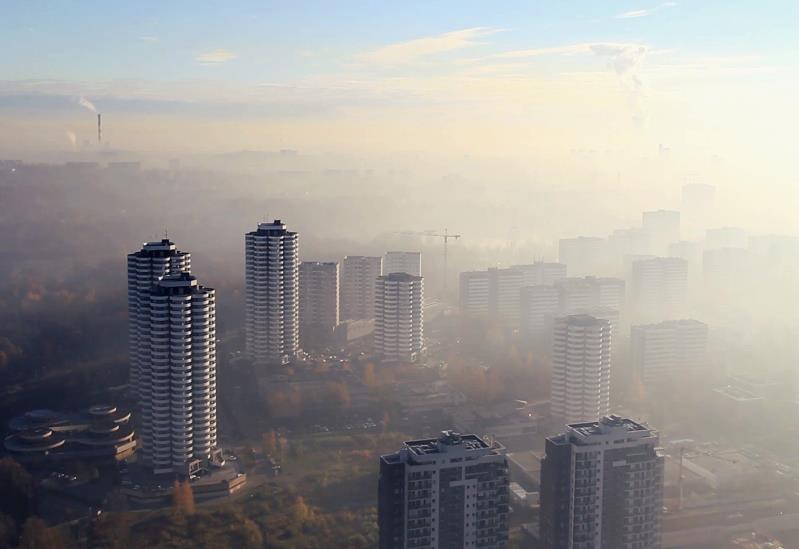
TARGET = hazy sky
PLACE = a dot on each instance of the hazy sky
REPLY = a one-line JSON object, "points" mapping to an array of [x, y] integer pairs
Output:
{"points": [[713, 76]]}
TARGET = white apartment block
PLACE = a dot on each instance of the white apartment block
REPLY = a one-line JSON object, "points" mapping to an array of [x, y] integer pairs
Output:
{"points": [[659, 287], [399, 317], [272, 293], [358, 278], [668, 350], [145, 268], [178, 376], [581, 364]]}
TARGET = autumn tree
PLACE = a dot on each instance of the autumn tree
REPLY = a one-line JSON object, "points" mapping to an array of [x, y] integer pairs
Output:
{"points": [[183, 497], [269, 443], [338, 395], [301, 512]]}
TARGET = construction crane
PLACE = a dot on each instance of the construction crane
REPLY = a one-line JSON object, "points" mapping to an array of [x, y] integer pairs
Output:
{"points": [[446, 237]]}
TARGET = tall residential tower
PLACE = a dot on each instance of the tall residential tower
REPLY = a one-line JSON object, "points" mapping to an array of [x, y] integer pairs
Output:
{"points": [[403, 262], [272, 287], [319, 311], [177, 382], [602, 487], [580, 368], [145, 268], [399, 317], [358, 278], [445, 493]]}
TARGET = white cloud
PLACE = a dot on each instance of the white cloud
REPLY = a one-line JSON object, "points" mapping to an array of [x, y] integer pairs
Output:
{"points": [[149, 38], [215, 57], [407, 52], [623, 58], [627, 52], [634, 14]]}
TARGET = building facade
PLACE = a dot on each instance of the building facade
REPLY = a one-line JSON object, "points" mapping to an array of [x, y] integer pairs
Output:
{"points": [[403, 262], [585, 255], [358, 278], [272, 324], [581, 360], [659, 287], [602, 487], [667, 350], [663, 228], [445, 493], [399, 317], [539, 307], [569, 296], [541, 272], [319, 303], [178, 379], [145, 268]]}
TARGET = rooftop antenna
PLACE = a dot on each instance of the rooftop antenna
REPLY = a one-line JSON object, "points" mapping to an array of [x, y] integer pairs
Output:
{"points": [[166, 233]]}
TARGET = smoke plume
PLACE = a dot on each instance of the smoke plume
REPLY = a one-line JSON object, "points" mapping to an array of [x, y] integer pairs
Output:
{"points": [[86, 104]]}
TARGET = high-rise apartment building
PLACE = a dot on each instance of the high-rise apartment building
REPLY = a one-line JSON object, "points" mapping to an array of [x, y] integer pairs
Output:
{"points": [[403, 262], [358, 278], [602, 487], [399, 317], [272, 291], [604, 313], [541, 273], [668, 350], [663, 228], [580, 368], [145, 268], [177, 380], [493, 291], [659, 287], [568, 296], [477, 292], [445, 493], [499, 291], [726, 237], [319, 303], [610, 292], [626, 243], [585, 255], [539, 306], [698, 209]]}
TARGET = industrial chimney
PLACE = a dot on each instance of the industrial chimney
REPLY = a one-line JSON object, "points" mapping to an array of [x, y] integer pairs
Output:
{"points": [[99, 130]]}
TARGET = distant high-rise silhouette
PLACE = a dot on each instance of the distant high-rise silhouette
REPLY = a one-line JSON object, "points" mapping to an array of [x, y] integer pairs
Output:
{"points": [[319, 303], [358, 278], [145, 268], [669, 350], [585, 255], [663, 229], [659, 288], [272, 291]]}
